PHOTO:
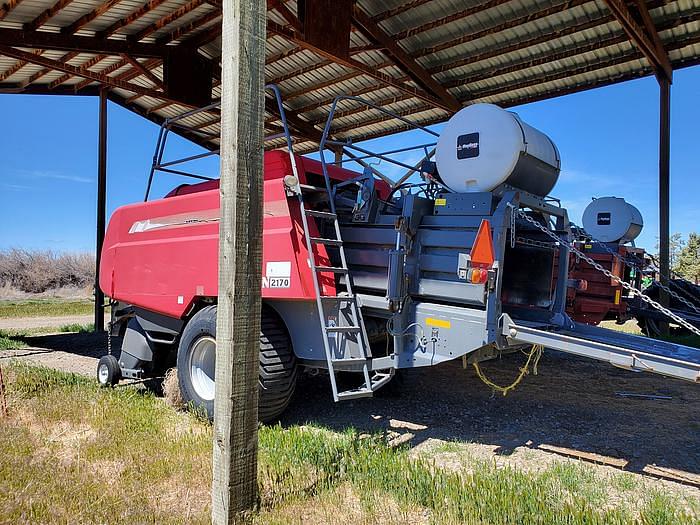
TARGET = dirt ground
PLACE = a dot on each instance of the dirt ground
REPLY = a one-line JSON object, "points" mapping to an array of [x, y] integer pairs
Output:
{"points": [[571, 409], [27, 323]]}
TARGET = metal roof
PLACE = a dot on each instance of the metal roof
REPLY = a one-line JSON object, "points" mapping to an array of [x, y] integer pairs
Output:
{"points": [[419, 58]]}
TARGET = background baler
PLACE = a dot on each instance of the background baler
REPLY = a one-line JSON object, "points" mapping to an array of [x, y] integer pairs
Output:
{"points": [[366, 276]]}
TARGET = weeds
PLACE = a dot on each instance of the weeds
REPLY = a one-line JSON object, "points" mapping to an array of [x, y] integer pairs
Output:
{"points": [[10, 341]]}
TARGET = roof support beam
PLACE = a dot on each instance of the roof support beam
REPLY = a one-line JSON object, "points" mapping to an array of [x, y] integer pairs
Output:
{"points": [[89, 17], [144, 71], [43, 89], [351, 63], [87, 65], [405, 62], [647, 42], [300, 126], [130, 18], [106, 71], [185, 29], [8, 6], [17, 66], [46, 15], [76, 71], [165, 20], [82, 44], [289, 17]]}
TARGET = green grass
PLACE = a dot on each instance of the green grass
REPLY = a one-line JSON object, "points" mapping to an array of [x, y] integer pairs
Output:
{"points": [[45, 308], [9, 341], [687, 340], [71, 452], [631, 327]]}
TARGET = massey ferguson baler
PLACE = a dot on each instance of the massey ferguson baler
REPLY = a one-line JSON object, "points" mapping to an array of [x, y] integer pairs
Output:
{"points": [[366, 276]]}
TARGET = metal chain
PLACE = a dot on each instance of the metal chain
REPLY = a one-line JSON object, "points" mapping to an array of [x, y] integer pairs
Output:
{"points": [[512, 223], [536, 244], [610, 275], [634, 266]]}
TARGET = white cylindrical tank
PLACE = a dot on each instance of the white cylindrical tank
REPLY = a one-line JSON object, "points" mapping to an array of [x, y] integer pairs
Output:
{"points": [[612, 219], [483, 146]]}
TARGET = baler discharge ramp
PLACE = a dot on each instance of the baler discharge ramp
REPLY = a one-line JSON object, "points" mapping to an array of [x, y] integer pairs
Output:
{"points": [[628, 351]]}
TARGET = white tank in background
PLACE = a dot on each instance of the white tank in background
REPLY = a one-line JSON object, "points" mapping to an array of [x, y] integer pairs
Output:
{"points": [[612, 219], [483, 146]]}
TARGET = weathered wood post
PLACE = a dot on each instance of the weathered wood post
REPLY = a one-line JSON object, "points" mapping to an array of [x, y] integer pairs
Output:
{"points": [[240, 258]]}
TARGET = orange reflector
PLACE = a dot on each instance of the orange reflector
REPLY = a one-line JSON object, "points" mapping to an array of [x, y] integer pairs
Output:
{"points": [[482, 252]]}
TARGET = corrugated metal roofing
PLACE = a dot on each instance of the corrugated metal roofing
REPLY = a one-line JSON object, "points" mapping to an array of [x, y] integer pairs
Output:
{"points": [[502, 51]]}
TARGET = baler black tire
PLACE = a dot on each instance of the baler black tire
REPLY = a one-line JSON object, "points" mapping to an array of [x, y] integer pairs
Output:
{"points": [[108, 371], [277, 373]]}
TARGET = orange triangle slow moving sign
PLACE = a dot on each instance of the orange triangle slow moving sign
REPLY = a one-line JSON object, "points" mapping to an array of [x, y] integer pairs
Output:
{"points": [[482, 254]]}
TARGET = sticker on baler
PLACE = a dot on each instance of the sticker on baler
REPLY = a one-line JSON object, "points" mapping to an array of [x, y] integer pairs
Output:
{"points": [[440, 323], [440, 202], [277, 274], [617, 297]]}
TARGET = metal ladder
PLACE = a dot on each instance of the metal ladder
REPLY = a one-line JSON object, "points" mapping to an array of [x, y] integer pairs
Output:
{"points": [[337, 337], [334, 337]]}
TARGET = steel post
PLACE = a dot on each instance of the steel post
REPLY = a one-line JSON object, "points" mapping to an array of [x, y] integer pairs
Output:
{"points": [[101, 208], [664, 185]]}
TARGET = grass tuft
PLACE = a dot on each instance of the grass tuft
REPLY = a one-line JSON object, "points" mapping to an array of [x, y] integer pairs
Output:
{"points": [[10, 341]]}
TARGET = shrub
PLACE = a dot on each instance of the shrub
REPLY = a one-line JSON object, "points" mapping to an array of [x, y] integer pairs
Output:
{"points": [[36, 271]]}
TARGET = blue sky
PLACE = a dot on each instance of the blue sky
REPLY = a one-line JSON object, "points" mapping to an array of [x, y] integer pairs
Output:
{"points": [[608, 140]]}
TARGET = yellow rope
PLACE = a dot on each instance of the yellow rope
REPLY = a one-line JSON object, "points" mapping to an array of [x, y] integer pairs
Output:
{"points": [[534, 356]]}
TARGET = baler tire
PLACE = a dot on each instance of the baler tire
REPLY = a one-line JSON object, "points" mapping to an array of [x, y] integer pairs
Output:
{"points": [[278, 368], [108, 371], [277, 372]]}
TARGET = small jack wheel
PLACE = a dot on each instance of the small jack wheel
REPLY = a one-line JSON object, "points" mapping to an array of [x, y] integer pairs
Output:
{"points": [[108, 371]]}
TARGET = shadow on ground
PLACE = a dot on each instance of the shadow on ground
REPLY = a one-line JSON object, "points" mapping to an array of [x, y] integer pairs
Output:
{"points": [[572, 403]]}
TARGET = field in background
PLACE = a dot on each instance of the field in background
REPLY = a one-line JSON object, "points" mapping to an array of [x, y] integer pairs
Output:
{"points": [[46, 308], [103, 446]]}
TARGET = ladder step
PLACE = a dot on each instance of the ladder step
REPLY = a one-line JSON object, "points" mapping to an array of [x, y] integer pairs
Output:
{"points": [[354, 394], [321, 214], [337, 298], [343, 329], [312, 189], [350, 360], [332, 269], [329, 242]]}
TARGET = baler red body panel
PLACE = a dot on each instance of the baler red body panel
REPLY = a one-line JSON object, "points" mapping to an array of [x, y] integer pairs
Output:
{"points": [[162, 255]]}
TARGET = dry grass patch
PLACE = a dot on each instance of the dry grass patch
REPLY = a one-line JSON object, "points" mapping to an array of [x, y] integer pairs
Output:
{"points": [[71, 452]]}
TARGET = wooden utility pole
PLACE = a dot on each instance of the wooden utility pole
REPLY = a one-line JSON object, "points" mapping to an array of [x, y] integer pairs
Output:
{"points": [[101, 209], [240, 258]]}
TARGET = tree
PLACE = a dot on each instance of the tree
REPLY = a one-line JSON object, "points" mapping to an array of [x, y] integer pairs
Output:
{"points": [[675, 246], [688, 259]]}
